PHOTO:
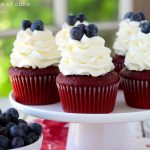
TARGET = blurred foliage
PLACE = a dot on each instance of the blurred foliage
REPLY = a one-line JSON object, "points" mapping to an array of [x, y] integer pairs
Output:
{"points": [[95, 10]]}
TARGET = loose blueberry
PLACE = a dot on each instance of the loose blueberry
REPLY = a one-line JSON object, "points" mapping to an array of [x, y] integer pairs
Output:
{"points": [[145, 27], [128, 15], [16, 131], [23, 126], [4, 118], [4, 141], [20, 121], [82, 26], [28, 140], [1, 148], [76, 33], [26, 24], [17, 142], [10, 124], [35, 127], [33, 136], [37, 25], [0, 111], [71, 19], [13, 113], [3, 131], [135, 17], [142, 16], [91, 30], [81, 17]]}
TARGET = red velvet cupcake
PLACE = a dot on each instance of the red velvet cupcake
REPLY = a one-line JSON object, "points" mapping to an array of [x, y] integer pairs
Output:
{"points": [[34, 65], [87, 83], [128, 27], [136, 75]]}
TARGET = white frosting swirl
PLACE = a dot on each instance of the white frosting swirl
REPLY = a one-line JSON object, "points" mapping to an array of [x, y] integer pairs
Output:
{"points": [[127, 29], [35, 49], [138, 56], [86, 57], [62, 36]]}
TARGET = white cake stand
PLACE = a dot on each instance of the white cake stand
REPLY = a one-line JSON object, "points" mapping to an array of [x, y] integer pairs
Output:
{"points": [[92, 131]]}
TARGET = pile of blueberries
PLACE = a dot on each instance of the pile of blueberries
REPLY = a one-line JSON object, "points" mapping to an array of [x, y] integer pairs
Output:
{"points": [[15, 132], [135, 16], [36, 25]]}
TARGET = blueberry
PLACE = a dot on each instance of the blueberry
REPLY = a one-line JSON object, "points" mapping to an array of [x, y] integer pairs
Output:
{"points": [[23, 126], [1, 148], [4, 118], [37, 25], [13, 113], [81, 17], [145, 27], [71, 19], [35, 127], [16, 131], [20, 121], [3, 131], [82, 26], [17, 142], [76, 33], [10, 124], [4, 141], [135, 17], [33, 136], [0, 111], [28, 140], [142, 16], [128, 15], [26, 24], [91, 30]]}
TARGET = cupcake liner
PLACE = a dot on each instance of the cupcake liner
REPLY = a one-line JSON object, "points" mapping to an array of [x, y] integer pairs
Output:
{"points": [[83, 99], [137, 93], [35, 90]]}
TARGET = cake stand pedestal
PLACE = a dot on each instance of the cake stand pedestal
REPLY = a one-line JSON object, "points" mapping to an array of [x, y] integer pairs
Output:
{"points": [[92, 131]]}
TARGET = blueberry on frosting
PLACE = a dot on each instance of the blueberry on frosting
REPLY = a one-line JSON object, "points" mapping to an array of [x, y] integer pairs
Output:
{"points": [[135, 17], [128, 15], [145, 27], [26, 24], [81, 17], [91, 30], [37, 25], [76, 33], [142, 16], [71, 19]]}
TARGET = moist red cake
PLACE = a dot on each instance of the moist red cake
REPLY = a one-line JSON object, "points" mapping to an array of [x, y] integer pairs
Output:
{"points": [[34, 86], [136, 88], [88, 94]]}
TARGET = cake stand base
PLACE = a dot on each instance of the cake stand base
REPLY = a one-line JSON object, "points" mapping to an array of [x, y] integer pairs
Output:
{"points": [[86, 136]]}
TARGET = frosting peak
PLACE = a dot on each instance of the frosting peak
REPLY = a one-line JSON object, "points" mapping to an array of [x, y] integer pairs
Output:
{"points": [[88, 56], [34, 49], [127, 29]]}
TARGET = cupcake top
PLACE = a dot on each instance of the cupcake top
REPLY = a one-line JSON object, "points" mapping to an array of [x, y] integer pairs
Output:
{"points": [[63, 35], [85, 53], [138, 56], [127, 28], [34, 47]]}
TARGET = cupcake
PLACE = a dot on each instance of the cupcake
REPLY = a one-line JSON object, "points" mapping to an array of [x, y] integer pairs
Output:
{"points": [[34, 59], [87, 82], [127, 28], [63, 35], [136, 74]]}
